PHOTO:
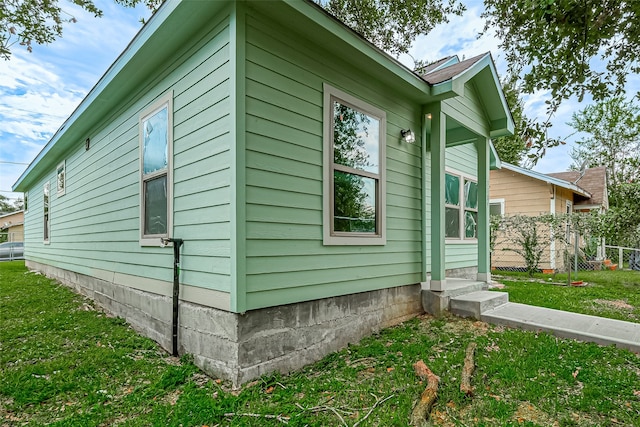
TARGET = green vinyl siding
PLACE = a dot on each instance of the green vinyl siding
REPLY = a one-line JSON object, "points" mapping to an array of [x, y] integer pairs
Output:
{"points": [[95, 225], [462, 158], [285, 258], [469, 107]]}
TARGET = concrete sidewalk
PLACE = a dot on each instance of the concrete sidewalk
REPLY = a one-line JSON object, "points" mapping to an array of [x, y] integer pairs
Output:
{"points": [[563, 324]]}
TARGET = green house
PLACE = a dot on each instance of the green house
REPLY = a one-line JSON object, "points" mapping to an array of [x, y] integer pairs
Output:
{"points": [[322, 189]]}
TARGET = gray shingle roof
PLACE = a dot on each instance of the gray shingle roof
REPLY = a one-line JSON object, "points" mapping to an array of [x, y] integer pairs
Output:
{"points": [[447, 73], [594, 181]]}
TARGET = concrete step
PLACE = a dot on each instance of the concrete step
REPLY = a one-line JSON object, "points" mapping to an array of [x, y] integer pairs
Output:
{"points": [[437, 302], [563, 324], [476, 303]]}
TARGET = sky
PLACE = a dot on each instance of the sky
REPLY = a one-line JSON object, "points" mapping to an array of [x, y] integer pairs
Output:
{"points": [[460, 37], [39, 90]]}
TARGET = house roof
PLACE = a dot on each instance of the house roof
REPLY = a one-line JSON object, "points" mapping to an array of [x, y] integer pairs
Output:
{"points": [[11, 219], [7, 225], [594, 180], [165, 33], [548, 179], [5, 215], [450, 70], [438, 64], [451, 76]]}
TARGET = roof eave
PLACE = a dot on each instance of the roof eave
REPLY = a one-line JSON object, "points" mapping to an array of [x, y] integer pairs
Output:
{"points": [[546, 178], [494, 160], [455, 86], [589, 206]]}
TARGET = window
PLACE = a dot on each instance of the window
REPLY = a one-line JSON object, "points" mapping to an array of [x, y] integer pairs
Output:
{"points": [[461, 207], [47, 219], [61, 178], [26, 204], [354, 170], [156, 140], [496, 207]]}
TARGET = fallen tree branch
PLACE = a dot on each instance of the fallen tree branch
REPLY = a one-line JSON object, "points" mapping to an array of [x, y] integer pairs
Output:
{"points": [[422, 409], [325, 408], [378, 402], [467, 370], [284, 420]]}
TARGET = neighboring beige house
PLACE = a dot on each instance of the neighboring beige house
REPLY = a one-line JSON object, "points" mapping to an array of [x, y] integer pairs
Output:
{"points": [[12, 227], [515, 190]]}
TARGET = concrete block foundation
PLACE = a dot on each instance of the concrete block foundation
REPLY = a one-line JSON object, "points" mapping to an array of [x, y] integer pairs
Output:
{"points": [[242, 347]]}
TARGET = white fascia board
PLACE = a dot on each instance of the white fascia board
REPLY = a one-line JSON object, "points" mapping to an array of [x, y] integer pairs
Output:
{"points": [[546, 178]]}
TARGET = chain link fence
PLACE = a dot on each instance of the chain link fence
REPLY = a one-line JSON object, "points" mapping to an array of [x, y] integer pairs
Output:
{"points": [[536, 244], [510, 253]]}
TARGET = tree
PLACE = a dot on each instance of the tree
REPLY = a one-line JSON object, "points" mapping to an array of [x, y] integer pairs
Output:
{"points": [[511, 149], [26, 22], [18, 204], [553, 45], [540, 38], [5, 205], [621, 222], [612, 129], [392, 25], [613, 139]]}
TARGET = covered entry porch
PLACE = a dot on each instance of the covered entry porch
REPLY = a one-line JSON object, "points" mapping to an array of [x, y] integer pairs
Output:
{"points": [[457, 149]]}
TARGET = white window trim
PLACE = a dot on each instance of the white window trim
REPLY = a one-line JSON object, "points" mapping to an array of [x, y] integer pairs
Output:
{"points": [[61, 191], [46, 190], [462, 209], [497, 201], [568, 210], [359, 239], [165, 100]]}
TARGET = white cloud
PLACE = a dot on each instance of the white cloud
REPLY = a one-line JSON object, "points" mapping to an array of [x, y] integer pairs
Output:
{"points": [[20, 72], [40, 90], [458, 37]]}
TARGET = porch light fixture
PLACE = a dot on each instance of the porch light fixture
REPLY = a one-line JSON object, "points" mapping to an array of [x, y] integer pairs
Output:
{"points": [[408, 136]]}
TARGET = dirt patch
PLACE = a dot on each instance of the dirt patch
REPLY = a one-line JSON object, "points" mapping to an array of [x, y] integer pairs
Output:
{"points": [[200, 379], [172, 398], [527, 412], [617, 304], [460, 327], [549, 280]]}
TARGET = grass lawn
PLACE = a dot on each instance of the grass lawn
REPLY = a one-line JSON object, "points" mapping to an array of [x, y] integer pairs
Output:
{"points": [[64, 363], [613, 294]]}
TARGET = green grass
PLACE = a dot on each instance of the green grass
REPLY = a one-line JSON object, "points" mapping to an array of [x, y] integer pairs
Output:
{"points": [[63, 363], [613, 294]]}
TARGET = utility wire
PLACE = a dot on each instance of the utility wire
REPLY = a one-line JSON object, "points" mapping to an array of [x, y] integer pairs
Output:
{"points": [[14, 163]]}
